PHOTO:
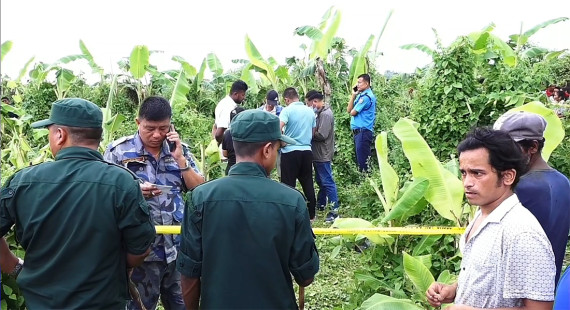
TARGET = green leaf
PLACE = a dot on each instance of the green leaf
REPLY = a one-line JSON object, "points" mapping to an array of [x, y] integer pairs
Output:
{"points": [[420, 47], [445, 191], [188, 68], [380, 302], [382, 30], [25, 69], [390, 180], [7, 290], [554, 133], [408, 205], [534, 52], [70, 58], [200, 76], [446, 277], [554, 55], [139, 61], [248, 77], [335, 251], [425, 259], [311, 32], [6, 47], [214, 64], [425, 244], [180, 90], [349, 223], [369, 281], [87, 55], [323, 45], [447, 89], [64, 80], [481, 41], [536, 28], [359, 62], [418, 273], [258, 61]]}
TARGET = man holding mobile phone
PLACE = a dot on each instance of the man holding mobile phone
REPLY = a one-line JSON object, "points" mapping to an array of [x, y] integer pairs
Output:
{"points": [[362, 110], [158, 157]]}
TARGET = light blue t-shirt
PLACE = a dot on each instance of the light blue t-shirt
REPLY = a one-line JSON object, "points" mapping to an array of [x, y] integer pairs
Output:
{"points": [[299, 122], [365, 105]]}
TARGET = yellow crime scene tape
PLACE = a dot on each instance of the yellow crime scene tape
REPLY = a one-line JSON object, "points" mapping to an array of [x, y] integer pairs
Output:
{"points": [[419, 230]]}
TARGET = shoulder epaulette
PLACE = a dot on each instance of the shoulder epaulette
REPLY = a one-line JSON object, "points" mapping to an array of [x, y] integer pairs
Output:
{"points": [[120, 141]]}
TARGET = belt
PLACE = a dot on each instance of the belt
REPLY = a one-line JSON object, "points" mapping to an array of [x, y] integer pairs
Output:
{"points": [[359, 130]]}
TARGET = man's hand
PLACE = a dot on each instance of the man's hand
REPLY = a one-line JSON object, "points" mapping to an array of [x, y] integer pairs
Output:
{"points": [[172, 136], [439, 293], [149, 190]]}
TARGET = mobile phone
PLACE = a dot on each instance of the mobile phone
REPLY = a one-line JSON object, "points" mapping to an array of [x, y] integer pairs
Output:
{"points": [[171, 144], [355, 88]]}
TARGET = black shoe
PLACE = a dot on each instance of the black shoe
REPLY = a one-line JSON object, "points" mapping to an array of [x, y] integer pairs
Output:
{"points": [[320, 208], [331, 216]]}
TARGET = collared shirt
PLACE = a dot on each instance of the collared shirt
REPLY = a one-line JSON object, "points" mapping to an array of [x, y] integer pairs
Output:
{"points": [[245, 235], [299, 122], [323, 140], [166, 209], [77, 218], [507, 259], [276, 109], [222, 112], [365, 105]]}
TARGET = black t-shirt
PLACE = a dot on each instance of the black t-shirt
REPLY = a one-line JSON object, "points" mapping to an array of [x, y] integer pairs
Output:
{"points": [[228, 145]]}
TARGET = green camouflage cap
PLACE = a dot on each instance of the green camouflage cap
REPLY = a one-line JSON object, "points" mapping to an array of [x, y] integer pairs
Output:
{"points": [[73, 112], [257, 126]]}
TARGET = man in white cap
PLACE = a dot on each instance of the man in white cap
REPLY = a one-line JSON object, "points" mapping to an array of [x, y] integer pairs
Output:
{"points": [[542, 189]]}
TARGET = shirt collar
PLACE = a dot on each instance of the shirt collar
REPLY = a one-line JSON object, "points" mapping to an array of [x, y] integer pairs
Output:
{"points": [[248, 168], [297, 103], [497, 215], [78, 152], [139, 146]]}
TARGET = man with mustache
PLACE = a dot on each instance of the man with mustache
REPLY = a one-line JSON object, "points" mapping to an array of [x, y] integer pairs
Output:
{"points": [[507, 259]]}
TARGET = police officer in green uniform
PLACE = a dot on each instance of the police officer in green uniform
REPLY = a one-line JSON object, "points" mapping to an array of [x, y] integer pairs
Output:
{"points": [[81, 220], [244, 235]]}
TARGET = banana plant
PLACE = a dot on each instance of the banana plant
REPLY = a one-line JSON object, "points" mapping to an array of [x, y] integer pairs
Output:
{"points": [[138, 67], [182, 85], [321, 36], [445, 190], [360, 63], [259, 63], [111, 123]]}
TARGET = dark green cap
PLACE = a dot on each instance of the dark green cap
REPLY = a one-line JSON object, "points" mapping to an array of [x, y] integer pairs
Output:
{"points": [[257, 126], [73, 112]]}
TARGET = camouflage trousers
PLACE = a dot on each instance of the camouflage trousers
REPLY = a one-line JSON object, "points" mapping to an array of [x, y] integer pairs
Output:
{"points": [[156, 280]]}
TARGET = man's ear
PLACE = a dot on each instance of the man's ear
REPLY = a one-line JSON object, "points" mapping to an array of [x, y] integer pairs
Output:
{"points": [[61, 135], [509, 176], [534, 148], [137, 121], [267, 149]]}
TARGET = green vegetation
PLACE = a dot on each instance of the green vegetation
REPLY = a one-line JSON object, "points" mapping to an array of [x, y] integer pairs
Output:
{"points": [[421, 118]]}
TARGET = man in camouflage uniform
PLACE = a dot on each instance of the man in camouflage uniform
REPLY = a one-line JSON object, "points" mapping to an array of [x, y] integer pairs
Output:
{"points": [[156, 154]]}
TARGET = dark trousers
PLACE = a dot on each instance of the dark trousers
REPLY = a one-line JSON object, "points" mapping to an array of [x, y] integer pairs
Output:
{"points": [[297, 165], [363, 143]]}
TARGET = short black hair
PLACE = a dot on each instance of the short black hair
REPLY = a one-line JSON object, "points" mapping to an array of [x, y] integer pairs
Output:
{"points": [[247, 149], [235, 112], [84, 135], [155, 109], [5, 98], [365, 77], [504, 153], [238, 86], [313, 94], [290, 93]]}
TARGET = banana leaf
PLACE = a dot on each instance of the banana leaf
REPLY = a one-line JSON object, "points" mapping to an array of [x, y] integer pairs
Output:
{"points": [[420, 47], [418, 273], [214, 64], [87, 56], [139, 61], [445, 191], [359, 62], [180, 90], [348, 223], [390, 180], [25, 69], [554, 133], [379, 301], [408, 204], [6, 47]]}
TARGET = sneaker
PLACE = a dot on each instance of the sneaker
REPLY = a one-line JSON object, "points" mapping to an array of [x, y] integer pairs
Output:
{"points": [[320, 208], [331, 216]]}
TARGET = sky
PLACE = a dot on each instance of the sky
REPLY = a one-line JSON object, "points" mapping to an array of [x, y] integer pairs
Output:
{"points": [[52, 29]]}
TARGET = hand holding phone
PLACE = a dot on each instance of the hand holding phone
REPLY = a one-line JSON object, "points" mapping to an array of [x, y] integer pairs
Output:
{"points": [[355, 88]]}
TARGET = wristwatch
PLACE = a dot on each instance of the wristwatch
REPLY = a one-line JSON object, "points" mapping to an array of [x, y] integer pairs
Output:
{"points": [[187, 166], [16, 271]]}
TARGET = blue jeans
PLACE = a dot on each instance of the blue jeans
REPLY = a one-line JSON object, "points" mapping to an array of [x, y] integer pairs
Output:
{"points": [[327, 186], [363, 143]]}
